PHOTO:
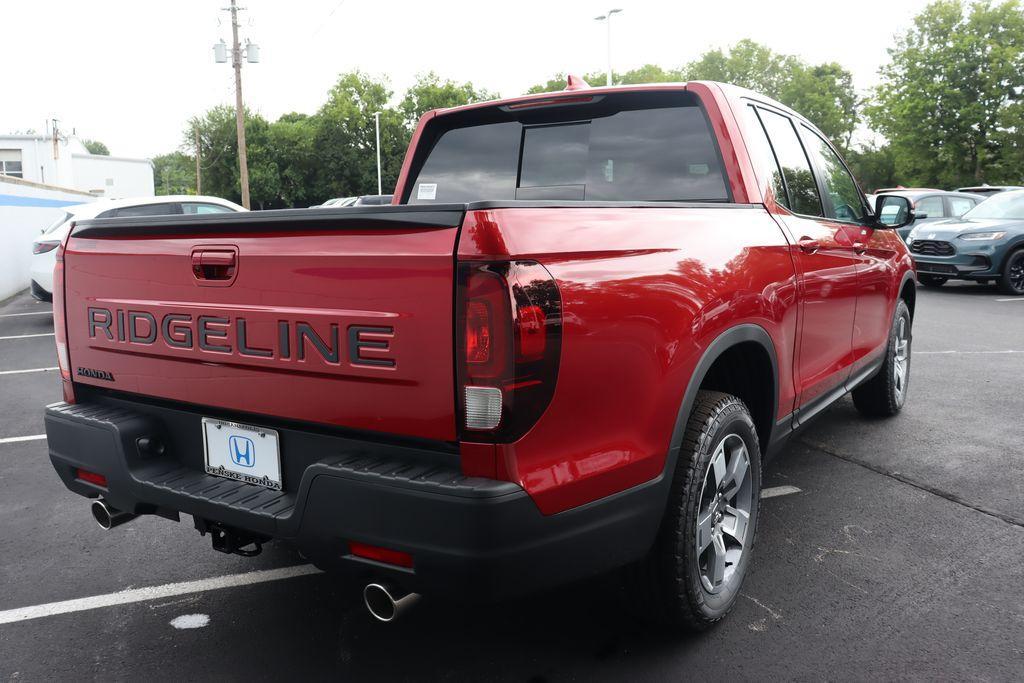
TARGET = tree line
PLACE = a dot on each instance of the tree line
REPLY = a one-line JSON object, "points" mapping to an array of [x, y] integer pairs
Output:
{"points": [[948, 110]]}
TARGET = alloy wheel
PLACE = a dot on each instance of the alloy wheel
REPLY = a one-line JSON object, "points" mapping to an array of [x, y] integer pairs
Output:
{"points": [[1016, 273], [723, 515], [901, 359]]}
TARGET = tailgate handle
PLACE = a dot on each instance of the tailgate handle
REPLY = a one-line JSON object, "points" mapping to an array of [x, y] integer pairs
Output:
{"points": [[214, 264]]}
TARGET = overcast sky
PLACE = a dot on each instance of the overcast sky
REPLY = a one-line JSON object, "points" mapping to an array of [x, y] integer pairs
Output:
{"points": [[131, 72]]}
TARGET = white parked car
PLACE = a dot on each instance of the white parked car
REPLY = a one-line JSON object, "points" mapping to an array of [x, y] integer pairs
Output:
{"points": [[44, 249]]}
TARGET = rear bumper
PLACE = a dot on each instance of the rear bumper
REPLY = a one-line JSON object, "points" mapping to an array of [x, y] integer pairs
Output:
{"points": [[39, 293], [473, 536]]}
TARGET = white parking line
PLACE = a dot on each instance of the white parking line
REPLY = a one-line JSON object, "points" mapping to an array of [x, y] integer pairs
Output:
{"points": [[26, 336], [21, 372], [15, 315], [776, 491], [1019, 298], [154, 592], [981, 353], [16, 439]]}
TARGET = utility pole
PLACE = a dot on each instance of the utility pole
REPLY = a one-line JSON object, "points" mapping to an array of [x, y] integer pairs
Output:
{"points": [[236, 63], [199, 176], [56, 140], [376, 118], [607, 18]]}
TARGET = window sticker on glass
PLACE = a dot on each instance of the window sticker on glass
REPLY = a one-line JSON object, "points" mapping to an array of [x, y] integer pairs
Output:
{"points": [[426, 191], [699, 169]]}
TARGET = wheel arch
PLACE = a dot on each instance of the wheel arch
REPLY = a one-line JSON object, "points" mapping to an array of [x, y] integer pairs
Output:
{"points": [[742, 339], [908, 291], [1011, 249]]}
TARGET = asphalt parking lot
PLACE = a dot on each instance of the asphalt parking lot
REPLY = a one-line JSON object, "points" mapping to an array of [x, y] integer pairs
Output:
{"points": [[901, 555]]}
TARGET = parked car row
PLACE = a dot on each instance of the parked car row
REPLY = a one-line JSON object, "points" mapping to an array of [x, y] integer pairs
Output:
{"points": [[973, 233], [44, 249], [985, 244], [365, 200]]}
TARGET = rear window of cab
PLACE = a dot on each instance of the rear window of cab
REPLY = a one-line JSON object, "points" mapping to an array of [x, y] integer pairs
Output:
{"points": [[622, 147]]}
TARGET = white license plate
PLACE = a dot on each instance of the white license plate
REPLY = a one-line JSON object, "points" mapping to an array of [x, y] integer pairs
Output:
{"points": [[242, 452]]}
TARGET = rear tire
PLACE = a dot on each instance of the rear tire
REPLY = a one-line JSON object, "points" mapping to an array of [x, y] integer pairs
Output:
{"points": [[692, 576], [884, 394], [932, 280], [1012, 279]]}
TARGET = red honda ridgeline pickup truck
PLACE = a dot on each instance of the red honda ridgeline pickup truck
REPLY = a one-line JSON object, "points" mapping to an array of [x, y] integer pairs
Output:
{"points": [[567, 348]]}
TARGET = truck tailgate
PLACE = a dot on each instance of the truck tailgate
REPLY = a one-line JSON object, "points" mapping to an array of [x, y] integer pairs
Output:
{"points": [[341, 317]]}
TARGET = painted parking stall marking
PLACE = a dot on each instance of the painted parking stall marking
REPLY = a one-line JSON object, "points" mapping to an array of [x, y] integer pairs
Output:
{"points": [[776, 491], [16, 315], [28, 336], [19, 439], [22, 372], [168, 590]]}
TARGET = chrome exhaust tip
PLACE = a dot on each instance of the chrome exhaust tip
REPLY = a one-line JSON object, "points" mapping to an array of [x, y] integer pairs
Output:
{"points": [[108, 517], [386, 603]]}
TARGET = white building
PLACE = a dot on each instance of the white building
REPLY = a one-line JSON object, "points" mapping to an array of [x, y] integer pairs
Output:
{"points": [[69, 164]]}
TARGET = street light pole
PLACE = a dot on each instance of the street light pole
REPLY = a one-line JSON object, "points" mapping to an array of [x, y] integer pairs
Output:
{"points": [[376, 118], [236, 62], [607, 18]]}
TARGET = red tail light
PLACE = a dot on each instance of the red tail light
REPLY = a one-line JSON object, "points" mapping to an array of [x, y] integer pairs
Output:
{"points": [[43, 247], [478, 332], [510, 327]]}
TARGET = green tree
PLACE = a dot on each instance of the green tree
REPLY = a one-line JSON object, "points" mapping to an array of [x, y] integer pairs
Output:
{"points": [[430, 92], [96, 147], [344, 144], [947, 100], [174, 173], [823, 93], [746, 64], [291, 143], [218, 145], [874, 167]]}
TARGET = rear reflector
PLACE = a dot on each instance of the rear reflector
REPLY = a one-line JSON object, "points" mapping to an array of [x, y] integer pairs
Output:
{"points": [[483, 407], [91, 477], [378, 554]]}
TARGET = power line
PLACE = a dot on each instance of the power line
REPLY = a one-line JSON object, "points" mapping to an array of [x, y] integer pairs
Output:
{"points": [[327, 18]]}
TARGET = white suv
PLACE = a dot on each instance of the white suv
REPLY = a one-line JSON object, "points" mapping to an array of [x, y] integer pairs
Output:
{"points": [[44, 249]]}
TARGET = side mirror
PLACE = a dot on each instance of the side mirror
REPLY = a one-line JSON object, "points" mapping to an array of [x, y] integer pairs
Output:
{"points": [[893, 211], [921, 216]]}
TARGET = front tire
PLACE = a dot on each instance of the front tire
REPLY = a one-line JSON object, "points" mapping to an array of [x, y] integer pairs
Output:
{"points": [[692, 576], [932, 280], [1012, 279], [884, 394]]}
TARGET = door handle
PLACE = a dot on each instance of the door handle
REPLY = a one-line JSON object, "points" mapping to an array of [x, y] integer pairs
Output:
{"points": [[808, 245], [214, 264], [860, 247]]}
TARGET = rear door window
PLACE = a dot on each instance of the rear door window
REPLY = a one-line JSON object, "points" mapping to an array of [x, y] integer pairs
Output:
{"points": [[796, 169], [618, 149], [930, 206], [163, 209], [202, 207], [958, 206], [763, 157]]}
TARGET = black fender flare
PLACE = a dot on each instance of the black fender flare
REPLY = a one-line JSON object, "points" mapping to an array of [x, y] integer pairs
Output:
{"points": [[746, 332]]}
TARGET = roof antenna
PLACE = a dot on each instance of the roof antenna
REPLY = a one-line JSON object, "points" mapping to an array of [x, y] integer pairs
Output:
{"points": [[574, 82]]}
